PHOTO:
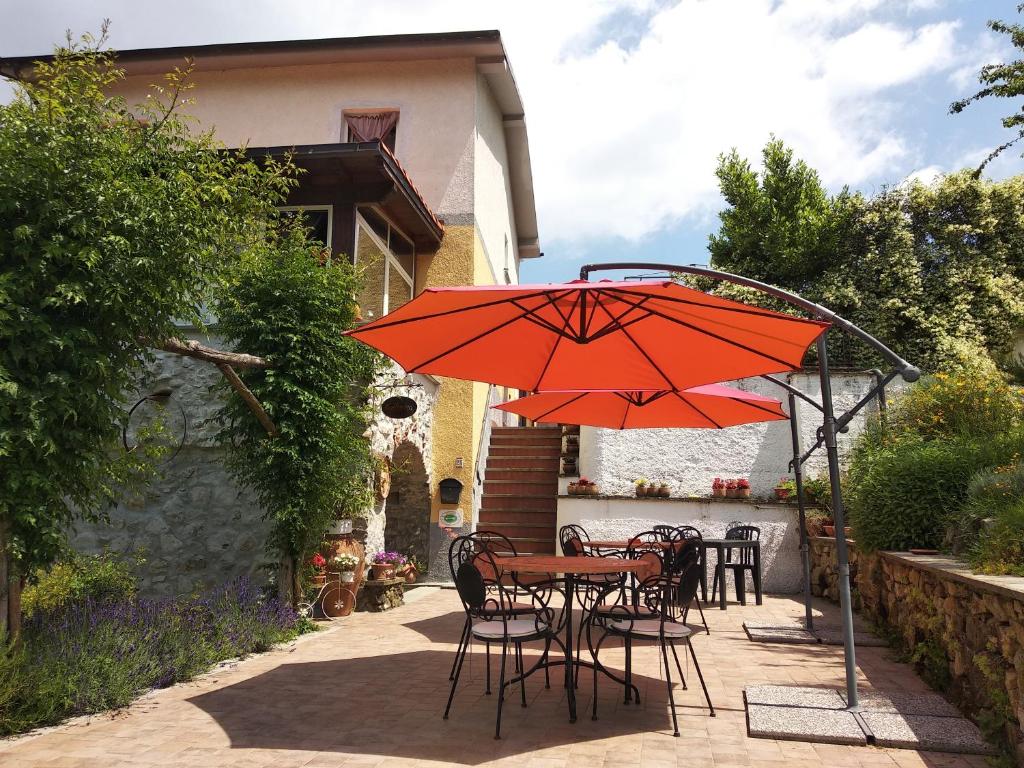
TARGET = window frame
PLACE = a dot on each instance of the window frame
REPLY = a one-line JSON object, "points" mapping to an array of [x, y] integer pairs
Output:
{"points": [[318, 207], [390, 260]]}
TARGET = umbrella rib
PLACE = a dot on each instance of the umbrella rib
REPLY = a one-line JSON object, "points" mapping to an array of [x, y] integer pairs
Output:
{"points": [[742, 309], [554, 347], [456, 348], [566, 404], [640, 349], [617, 323], [698, 410], [531, 316], [380, 324], [719, 337], [753, 404]]}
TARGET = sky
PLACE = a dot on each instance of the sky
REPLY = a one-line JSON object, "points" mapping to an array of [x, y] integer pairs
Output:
{"points": [[629, 103]]}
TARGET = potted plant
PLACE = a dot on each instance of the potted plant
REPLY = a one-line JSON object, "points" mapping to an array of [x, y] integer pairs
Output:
{"points": [[718, 488], [346, 565], [411, 570], [742, 488], [385, 563], [587, 487], [829, 526], [641, 486], [664, 491], [730, 489], [318, 562], [785, 488], [573, 489]]}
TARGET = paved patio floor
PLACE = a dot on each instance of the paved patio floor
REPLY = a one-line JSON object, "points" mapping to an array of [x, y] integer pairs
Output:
{"points": [[371, 690]]}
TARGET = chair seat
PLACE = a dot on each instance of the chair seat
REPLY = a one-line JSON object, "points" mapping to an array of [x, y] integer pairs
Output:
{"points": [[517, 629], [651, 628], [608, 609], [516, 609]]}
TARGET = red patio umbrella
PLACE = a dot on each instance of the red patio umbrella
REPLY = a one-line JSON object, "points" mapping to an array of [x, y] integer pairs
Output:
{"points": [[710, 406], [647, 335]]}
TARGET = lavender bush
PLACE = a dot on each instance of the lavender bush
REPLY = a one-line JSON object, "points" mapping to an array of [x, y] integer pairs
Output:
{"points": [[94, 655]]}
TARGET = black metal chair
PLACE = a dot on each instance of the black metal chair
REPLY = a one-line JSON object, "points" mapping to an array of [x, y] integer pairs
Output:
{"points": [[491, 617], [688, 532], [497, 544], [744, 562], [663, 594]]}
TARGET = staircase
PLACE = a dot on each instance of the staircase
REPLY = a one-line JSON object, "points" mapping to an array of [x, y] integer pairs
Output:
{"points": [[521, 487]]}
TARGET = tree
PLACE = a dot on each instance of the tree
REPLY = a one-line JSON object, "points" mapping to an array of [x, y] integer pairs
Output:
{"points": [[1003, 80], [118, 219], [289, 304], [932, 270]]}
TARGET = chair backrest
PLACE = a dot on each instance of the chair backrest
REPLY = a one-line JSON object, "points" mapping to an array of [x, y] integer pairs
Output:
{"points": [[663, 529], [691, 566], [681, 531], [475, 572], [571, 538], [744, 533]]}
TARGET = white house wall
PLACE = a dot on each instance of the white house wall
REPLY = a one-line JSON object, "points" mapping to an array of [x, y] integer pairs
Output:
{"points": [[492, 202], [689, 459]]}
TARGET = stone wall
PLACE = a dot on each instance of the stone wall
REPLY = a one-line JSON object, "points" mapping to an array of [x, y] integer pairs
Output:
{"points": [[964, 631]]}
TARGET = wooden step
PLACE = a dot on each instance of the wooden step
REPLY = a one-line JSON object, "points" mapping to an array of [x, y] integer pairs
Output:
{"points": [[516, 531], [519, 501], [528, 517], [523, 462], [548, 487], [532, 545], [520, 475], [546, 451]]}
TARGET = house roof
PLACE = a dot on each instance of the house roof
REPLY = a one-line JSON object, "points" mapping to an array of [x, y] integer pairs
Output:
{"points": [[485, 46], [375, 176]]}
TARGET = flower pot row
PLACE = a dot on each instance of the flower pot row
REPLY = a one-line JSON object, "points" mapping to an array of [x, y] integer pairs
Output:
{"points": [[583, 487], [731, 489], [649, 489]]}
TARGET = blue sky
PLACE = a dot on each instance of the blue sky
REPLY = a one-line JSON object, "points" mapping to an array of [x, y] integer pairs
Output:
{"points": [[629, 102]]}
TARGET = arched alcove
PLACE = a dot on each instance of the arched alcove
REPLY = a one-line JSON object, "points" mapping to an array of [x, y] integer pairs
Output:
{"points": [[407, 511]]}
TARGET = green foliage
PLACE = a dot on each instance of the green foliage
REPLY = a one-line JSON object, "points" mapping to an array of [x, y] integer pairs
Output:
{"points": [[100, 578], [116, 220], [933, 271], [908, 483], [290, 304], [1003, 81], [89, 656], [991, 523]]}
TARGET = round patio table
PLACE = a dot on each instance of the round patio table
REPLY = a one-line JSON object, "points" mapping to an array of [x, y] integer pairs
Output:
{"points": [[570, 567]]}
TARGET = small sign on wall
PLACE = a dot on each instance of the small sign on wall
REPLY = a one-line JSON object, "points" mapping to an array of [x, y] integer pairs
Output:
{"points": [[450, 518]]}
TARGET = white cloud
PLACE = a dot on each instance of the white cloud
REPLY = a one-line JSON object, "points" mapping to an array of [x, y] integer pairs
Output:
{"points": [[927, 175], [628, 102]]}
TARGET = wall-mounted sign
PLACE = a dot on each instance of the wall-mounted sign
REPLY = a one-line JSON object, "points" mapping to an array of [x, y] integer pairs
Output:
{"points": [[398, 407], [450, 518]]}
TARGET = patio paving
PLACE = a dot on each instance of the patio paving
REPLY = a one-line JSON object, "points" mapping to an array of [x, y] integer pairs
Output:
{"points": [[370, 692]]}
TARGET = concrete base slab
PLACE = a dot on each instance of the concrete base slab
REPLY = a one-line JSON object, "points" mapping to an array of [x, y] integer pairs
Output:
{"points": [[826, 726], [834, 636], [927, 732], [797, 635], [784, 632], [904, 703], [794, 696]]}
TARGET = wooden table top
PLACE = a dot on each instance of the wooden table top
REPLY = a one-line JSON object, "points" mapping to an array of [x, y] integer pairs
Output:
{"points": [[560, 564]]}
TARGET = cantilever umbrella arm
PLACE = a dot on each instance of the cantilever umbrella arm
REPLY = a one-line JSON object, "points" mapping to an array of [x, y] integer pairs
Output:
{"points": [[830, 426]]}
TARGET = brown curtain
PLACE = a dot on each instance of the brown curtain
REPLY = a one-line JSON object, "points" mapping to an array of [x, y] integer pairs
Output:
{"points": [[370, 126]]}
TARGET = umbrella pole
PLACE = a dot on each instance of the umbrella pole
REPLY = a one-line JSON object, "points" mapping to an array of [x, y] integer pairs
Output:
{"points": [[798, 473], [832, 450]]}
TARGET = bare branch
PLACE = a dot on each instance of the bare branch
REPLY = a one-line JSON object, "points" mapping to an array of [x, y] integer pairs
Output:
{"points": [[250, 399], [191, 348]]}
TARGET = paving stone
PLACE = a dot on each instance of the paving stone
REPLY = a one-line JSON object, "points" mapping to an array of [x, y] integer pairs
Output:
{"points": [[905, 703], [794, 634], [794, 696], [927, 732], [828, 726]]}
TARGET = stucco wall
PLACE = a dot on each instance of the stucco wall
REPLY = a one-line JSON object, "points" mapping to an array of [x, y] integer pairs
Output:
{"points": [[689, 459], [620, 518], [492, 202], [275, 106]]}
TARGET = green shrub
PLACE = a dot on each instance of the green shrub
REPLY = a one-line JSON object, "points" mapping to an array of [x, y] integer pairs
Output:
{"points": [[990, 525], [80, 577]]}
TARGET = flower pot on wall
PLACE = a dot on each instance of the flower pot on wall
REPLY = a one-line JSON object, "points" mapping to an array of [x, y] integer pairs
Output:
{"points": [[664, 491], [380, 571], [830, 530]]}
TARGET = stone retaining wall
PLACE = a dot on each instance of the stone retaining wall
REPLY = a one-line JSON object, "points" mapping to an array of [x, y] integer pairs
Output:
{"points": [[964, 632]]}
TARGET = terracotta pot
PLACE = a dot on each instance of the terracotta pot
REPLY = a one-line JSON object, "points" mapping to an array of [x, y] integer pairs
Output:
{"points": [[718, 493], [641, 490], [382, 571], [782, 493], [664, 491], [573, 489], [742, 493], [730, 493], [830, 530], [592, 490], [318, 580]]}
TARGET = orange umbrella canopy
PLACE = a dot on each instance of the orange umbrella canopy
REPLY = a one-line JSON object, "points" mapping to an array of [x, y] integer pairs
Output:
{"points": [[649, 335], [710, 406]]}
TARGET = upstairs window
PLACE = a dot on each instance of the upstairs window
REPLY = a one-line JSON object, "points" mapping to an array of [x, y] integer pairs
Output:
{"points": [[371, 125], [317, 219], [386, 260]]}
